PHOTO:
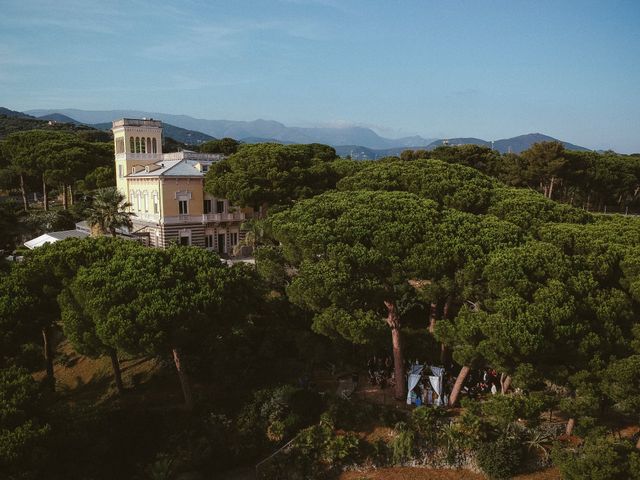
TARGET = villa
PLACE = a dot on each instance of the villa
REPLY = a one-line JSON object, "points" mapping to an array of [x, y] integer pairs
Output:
{"points": [[166, 191]]}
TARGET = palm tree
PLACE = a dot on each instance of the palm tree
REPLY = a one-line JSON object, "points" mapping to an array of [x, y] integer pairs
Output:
{"points": [[109, 211]]}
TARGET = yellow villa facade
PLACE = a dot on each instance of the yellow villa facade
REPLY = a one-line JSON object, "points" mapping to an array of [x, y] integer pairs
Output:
{"points": [[166, 191]]}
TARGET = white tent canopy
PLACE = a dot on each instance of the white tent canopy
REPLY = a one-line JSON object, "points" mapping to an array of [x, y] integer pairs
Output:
{"points": [[53, 237], [435, 379]]}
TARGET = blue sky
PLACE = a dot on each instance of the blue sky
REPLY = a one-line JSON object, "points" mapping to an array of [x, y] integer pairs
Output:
{"points": [[489, 69]]}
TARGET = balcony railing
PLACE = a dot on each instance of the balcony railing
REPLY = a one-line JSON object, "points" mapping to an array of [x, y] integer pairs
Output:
{"points": [[177, 219], [205, 218], [223, 217]]}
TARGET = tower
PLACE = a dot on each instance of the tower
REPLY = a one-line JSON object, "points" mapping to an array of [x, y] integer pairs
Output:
{"points": [[137, 143]]}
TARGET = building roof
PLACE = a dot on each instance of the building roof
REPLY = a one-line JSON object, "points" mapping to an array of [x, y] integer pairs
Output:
{"points": [[53, 237], [170, 168]]}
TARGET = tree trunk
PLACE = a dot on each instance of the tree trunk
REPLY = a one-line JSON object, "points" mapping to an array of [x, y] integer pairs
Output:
{"points": [[570, 424], [457, 387], [446, 314], [505, 383], [638, 443], [115, 363], [553, 181], [184, 379], [45, 196], [432, 318], [25, 200], [393, 320], [64, 196], [70, 195], [444, 354], [48, 357]]}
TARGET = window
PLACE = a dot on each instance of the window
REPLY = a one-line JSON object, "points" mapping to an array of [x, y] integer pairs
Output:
{"points": [[138, 200], [207, 206], [183, 208], [205, 168], [132, 145], [143, 145], [233, 239], [148, 145], [137, 144], [155, 202], [120, 171], [185, 240], [208, 241], [120, 145], [155, 149], [220, 206], [145, 200]]}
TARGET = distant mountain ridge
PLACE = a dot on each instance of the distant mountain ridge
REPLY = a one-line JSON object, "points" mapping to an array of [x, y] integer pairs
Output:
{"points": [[358, 141], [514, 144], [260, 128]]}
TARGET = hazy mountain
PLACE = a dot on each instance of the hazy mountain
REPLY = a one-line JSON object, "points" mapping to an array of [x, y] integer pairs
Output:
{"points": [[254, 129], [362, 141], [514, 144], [522, 142], [459, 141], [13, 114], [60, 118], [182, 135]]}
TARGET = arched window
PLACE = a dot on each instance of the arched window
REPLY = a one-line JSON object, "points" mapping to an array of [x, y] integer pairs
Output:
{"points": [[148, 145], [132, 145], [143, 145], [137, 144], [155, 147]]}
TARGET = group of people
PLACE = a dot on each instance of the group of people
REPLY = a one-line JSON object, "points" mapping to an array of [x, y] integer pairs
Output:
{"points": [[380, 371], [479, 382], [482, 381]]}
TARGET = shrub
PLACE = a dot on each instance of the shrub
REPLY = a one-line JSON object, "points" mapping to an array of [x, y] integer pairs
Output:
{"points": [[278, 413], [403, 445], [501, 458], [426, 422], [599, 458]]}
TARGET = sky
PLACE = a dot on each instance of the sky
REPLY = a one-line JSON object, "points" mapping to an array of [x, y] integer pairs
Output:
{"points": [[440, 69]]}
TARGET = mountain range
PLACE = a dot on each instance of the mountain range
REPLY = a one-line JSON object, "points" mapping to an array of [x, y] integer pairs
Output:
{"points": [[360, 142]]}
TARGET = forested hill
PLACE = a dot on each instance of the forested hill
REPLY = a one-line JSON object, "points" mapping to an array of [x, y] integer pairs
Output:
{"points": [[506, 145], [182, 135], [12, 122]]}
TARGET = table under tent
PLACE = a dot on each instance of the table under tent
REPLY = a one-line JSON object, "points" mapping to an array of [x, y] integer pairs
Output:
{"points": [[434, 394]]}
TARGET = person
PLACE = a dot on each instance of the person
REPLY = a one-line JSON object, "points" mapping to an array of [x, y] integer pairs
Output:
{"points": [[418, 392], [371, 369]]}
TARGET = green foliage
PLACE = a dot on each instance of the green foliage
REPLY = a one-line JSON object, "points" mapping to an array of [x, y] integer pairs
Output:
{"points": [[453, 186], [272, 174], [403, 445], [22, 432], [599, 458], [501, 458], [275, 414], [426, 423], [225, 146], [109, 211], [529, 209]]}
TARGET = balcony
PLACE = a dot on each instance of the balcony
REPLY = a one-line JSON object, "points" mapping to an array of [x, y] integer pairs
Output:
{"points": [[178, 219], [223, 217], [206, 218]]}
